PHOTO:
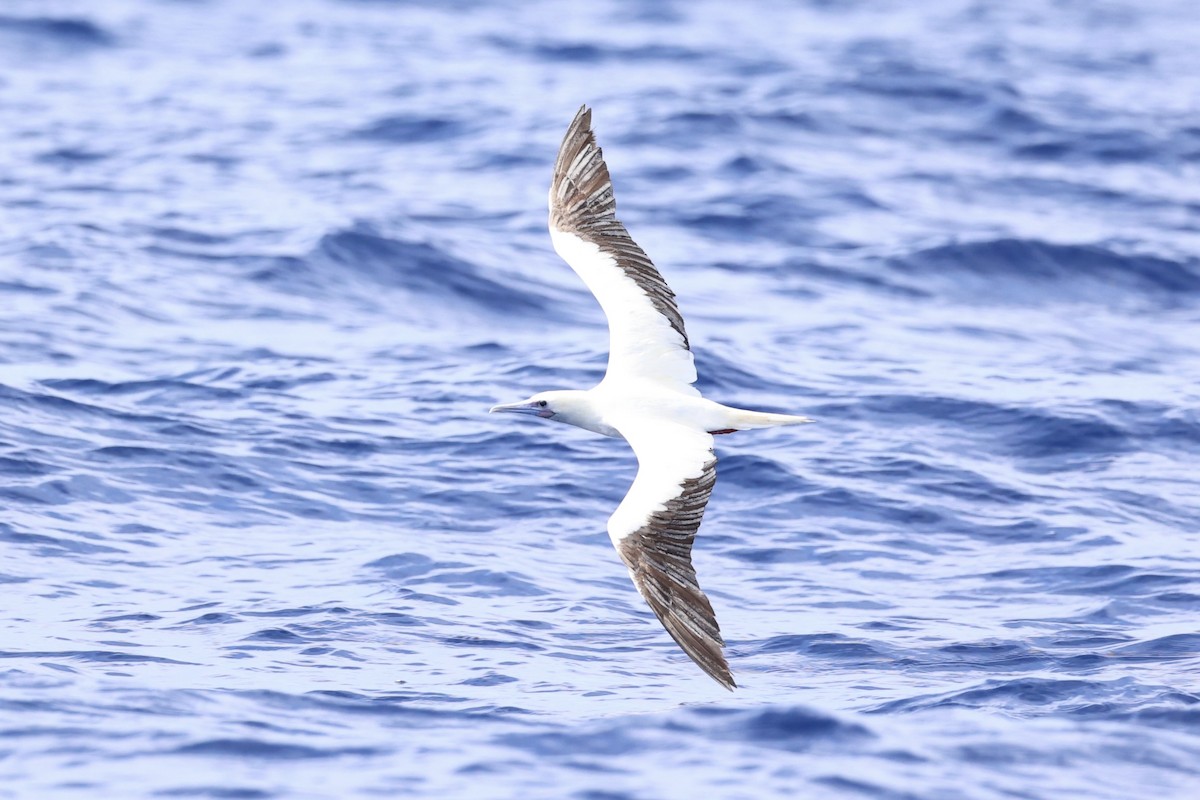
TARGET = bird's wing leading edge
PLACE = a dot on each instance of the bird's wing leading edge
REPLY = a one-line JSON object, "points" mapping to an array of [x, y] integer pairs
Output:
{"points": [[654, 527], [647, 339]]}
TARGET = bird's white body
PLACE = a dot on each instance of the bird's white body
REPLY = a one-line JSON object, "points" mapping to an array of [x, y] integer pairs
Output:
{"points": [[646, 398], [601, 409], [671, 429]]}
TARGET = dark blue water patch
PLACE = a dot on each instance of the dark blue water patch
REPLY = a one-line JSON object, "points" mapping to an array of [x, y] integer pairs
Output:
{"points": [[67, 408], [1181, 712], [283, 384], [124, 623], [394, 619], [181, 467], [61, 491], [1008, 118], [1189, 600], [1103, 147], [417, 709], [347, 448], [1026, 530], [301, 611], [757, 473], [268, 50], [859, 787], [1156, 425], [405, 566], [276, 636], [164, 391], [62, 33], [272, 751], [414, 569], [1108, 699], [694, 125], [1031, 272], [867, 507], [490, 679], [927, 478], [770, 555], [92, 656], [520, 370], [412, 129], [47, 545], [25, 467], [583, 52], [19, 287], [787, 728], [792, 120], [803, 275], [828, 646], [482, 643], [211, 618], [603, 742], [1078, 191], [1105, 580], [722, 372], [217, 793], [1056, 440], [508, 160], [71, 156], [1143, 584], [190, 236], [915, 87], [790, 728], [406, 594], [669, 173], [738, 167], [138, 617], [1179, 645], [991, 655], [772, 217], [1187, 140]]}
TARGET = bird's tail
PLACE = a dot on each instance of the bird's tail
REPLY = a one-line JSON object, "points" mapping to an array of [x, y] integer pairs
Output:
{"points": [[742, 419]]}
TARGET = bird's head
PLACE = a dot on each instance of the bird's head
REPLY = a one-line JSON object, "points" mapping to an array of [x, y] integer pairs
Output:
{"points": [[569, 406]]}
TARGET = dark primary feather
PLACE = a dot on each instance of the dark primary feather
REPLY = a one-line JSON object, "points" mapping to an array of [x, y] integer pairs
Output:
{"points": [[582, 203], [659, 557]]}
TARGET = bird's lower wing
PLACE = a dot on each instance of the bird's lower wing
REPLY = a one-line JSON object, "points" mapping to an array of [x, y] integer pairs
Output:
{"points": [[654, 527]]}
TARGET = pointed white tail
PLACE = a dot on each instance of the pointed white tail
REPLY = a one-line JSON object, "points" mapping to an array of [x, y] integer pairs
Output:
{"points": [[745, 420]]}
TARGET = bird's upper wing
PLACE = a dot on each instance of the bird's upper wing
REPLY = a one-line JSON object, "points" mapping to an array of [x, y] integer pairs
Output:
{"points": [[655, 525], [646, 334]]}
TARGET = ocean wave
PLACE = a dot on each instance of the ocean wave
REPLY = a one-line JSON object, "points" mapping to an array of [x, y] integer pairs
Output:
{"points": [[1035, 273], [360, 262]]}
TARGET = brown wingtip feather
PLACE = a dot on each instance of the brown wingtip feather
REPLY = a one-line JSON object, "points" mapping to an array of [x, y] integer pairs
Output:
{"points": [[581, 194], [582, 203]]}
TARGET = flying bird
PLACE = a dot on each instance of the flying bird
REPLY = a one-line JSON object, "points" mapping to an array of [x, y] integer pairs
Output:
{"points": [[645, 398]]}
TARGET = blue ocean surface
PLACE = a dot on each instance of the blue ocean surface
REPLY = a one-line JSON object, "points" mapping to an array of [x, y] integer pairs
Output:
{"points": [[265, 266]]}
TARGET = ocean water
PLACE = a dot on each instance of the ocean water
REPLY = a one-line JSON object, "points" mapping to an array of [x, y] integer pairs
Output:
{"points": [[265, 266]]}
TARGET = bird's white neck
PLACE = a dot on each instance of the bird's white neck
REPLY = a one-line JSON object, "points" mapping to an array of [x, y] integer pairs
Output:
{"points": [[581, 409]]}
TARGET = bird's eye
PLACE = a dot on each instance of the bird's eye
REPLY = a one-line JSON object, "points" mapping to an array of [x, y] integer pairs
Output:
{"points": [[542, 404]]}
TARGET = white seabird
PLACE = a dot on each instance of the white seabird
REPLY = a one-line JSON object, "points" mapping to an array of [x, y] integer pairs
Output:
{"points": [[646, 398]]}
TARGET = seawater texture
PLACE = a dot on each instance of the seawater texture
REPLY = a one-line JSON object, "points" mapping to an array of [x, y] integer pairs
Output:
{"points": [[265, 266]]}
